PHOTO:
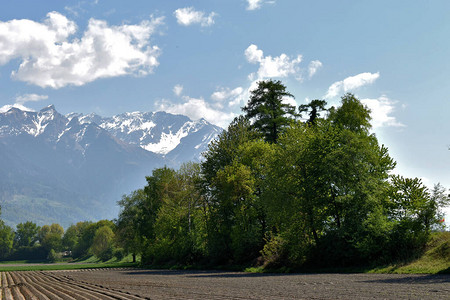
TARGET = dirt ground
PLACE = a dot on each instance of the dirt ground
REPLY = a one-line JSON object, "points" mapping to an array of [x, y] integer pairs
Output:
{"points": [[160, 284]]}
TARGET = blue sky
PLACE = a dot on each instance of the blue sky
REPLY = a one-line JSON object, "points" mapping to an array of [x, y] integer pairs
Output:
{"points": [[200, 58]]}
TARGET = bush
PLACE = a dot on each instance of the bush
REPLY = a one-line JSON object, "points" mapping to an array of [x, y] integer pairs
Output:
{"points": [[53, 256], [119, 254], [106, 254], [274, 251], [29, 253]]}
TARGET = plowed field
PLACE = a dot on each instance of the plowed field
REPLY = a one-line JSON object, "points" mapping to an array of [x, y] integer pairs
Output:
{"points": [[157, 284]]}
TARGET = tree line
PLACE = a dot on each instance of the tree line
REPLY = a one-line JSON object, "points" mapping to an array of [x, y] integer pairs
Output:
{"points": [[50, 242], [283, 187], [280, 187]]}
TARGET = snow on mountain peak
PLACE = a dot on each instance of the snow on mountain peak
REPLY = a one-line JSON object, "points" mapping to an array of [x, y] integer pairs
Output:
{"points": [[16, 106], [157, 132], [51, 107]]}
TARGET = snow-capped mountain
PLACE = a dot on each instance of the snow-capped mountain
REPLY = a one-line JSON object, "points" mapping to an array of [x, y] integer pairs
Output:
{"points": [[68, 168], [158, 132]]}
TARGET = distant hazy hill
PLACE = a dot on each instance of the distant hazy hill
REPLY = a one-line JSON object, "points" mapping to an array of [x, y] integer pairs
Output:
{"points": [[64, 169]]}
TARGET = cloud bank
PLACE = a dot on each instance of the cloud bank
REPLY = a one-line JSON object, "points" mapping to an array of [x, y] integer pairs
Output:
{"points": [[197, 108], [234, 96], [30, 98], [51, 56]]}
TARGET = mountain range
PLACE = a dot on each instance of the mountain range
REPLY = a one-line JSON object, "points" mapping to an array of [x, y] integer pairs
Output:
{"points": [[57, 168]]}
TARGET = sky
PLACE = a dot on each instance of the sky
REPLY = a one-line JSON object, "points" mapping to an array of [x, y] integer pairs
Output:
{"points": [[202, 58]]}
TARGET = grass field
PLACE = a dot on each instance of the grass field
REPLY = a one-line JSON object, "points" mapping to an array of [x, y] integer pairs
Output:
{"points": [[90, 262], [435, 260]]}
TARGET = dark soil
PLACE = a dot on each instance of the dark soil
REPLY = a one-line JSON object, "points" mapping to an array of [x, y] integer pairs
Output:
{"points": [[160, 284]]}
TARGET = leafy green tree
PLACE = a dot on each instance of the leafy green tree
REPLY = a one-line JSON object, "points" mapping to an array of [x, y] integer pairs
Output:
{"points": [[292, 195], [414, 211], [141, 211], [351, 115], [128, 234], [78, 238], [223, 150], [158, 189], [410, 199], [332, 178], [161, 220], [267, 109], [235, 187], [50, 237], [26, 234], [102, 244], [438, 201], [179, 222], [230, 206], [6, 240], [71, 238]]}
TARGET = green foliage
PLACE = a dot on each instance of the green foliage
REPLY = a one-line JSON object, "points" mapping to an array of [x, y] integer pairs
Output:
{"points": [[26, 234], [234, 209], [102, 244], [274, 251], [414, 212], [50, 237], [119, 254], [283, 193], [435, 260], [223, 150], [315, 107], [34, 253], [351, 115], [267, 109], [129, 224], [332, 178], [53, 256], [80, 237], [6, 240], [71, 238]]}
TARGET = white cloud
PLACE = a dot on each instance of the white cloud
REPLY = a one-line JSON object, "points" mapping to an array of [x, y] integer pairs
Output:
{"points": [[178, 89], [197, 109], [289, 100], [270, 67], [234, 97], [30, 98], [188, 16], [381, 112], [49, 58], [256, 4], [7, 107], [351, 83], [313, 67], [253, 54]]}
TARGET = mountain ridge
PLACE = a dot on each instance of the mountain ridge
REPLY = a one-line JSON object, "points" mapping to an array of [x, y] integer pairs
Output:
{"points": [[82, 164]]}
